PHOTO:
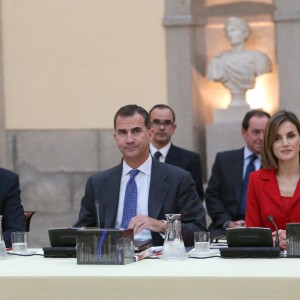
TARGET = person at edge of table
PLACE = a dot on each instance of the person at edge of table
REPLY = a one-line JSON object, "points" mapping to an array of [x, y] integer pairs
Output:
{"points": [[11, 207], [160, 188], [275, 189]]}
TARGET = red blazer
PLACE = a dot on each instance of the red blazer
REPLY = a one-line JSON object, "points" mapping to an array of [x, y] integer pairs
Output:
{"points": [[263, 199]]}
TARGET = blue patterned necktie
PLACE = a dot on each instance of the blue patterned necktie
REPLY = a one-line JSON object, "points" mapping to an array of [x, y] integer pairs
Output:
{"points": [[250, 168], [130, 201]]}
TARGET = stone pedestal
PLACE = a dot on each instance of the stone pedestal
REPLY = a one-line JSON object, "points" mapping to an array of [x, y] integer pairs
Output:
{"points": [[224, 133]]}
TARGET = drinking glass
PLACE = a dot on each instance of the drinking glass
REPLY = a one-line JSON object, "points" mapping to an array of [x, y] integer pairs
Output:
{"points": [[19, 242], [202, 242]]}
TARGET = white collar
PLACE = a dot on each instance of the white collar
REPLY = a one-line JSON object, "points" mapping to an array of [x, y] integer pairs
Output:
{"points": [[247, 153], [164, 150], [144, 168]]}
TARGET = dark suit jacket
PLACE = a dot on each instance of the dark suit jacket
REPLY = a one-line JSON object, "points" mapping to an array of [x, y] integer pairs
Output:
{"points": [[172, 190], [10, 205], [224, 190], [189, 161], [263, 199]]}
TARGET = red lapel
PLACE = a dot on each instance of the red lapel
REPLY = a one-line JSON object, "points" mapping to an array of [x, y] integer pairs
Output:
{"points": [[271, 189]]}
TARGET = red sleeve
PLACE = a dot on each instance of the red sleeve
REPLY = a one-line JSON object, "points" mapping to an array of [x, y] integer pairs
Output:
{"points": [[253, 215]]}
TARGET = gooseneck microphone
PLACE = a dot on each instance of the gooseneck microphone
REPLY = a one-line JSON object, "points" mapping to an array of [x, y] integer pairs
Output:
{"points": [[97, 213], [271, 219]]}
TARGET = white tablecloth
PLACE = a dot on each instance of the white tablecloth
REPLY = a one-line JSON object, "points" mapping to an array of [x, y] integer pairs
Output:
{"points": [[41, 278]]}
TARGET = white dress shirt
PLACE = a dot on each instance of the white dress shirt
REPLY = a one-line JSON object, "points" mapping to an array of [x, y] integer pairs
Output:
{"points": [[142, 180], [164, 151]]}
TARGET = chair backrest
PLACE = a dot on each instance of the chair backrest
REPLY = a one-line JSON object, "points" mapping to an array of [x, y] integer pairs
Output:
{"points": [[28, 215]]}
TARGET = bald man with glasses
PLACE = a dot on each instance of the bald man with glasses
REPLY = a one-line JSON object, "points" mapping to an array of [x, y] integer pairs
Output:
{"points": [[162, 119]]}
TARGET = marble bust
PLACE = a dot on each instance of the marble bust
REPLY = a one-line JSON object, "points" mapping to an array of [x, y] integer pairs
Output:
{"points": [[238, 68]]}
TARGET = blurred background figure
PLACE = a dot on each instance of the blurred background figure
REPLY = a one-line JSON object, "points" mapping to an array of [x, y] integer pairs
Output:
{"points": [[226, 192], [162, 118]]}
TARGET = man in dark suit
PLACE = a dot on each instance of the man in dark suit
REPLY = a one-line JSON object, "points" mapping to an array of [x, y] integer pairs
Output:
{"points": [[160, 188], [223, 195], [10, 205], [162, 118]]}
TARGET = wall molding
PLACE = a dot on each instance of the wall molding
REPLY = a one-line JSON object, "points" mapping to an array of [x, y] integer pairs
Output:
{"points": [[286, 16]]}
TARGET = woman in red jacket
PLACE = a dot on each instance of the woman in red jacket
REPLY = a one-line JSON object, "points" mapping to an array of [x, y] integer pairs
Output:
{"points": [[275, 189]]}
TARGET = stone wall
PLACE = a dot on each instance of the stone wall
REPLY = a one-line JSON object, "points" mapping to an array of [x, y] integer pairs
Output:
{"points": [[53, 167], [287, 20]]}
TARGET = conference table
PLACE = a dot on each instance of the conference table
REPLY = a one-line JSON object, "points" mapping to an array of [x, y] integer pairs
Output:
{"points": [[37, 277]]}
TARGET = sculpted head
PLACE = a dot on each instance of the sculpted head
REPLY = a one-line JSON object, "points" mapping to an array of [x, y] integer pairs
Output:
{"points": [[237, 30]]}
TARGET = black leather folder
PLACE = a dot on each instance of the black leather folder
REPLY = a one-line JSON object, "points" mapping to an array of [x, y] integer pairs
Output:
{"points": [[62, 241], [250, 252], [249, 242], [59, 252]]}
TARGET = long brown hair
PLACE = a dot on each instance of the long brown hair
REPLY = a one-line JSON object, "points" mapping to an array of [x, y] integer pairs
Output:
{"points": [[268, 159]]}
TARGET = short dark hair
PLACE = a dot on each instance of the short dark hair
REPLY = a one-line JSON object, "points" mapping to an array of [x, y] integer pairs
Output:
{"points": [[253, 113], [268, 159], [163, 106], [129, 111]]}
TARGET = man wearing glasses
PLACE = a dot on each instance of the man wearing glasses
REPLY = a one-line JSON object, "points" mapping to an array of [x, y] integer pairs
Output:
{"points": [[162, 119]]}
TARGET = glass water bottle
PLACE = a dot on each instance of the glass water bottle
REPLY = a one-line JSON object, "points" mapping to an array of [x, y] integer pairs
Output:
{"points": [[173, 245]]}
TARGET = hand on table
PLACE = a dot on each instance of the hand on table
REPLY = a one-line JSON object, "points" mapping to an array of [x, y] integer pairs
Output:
{"points": [[141, 222], [236, 224], [282, 238]]}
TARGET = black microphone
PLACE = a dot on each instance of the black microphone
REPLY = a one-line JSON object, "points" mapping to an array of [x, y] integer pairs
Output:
{"points": [[271, 219], [97, 213]]}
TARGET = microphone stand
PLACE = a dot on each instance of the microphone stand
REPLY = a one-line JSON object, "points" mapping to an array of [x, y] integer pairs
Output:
{"points": [[97, 213], [271, 219]]}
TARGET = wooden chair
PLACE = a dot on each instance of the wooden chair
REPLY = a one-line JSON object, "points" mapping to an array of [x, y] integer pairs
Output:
{"points": [[28, 215]]}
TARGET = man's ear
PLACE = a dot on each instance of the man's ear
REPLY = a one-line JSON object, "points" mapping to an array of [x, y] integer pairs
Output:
{"points": [[151, 133], [243, 131]]}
